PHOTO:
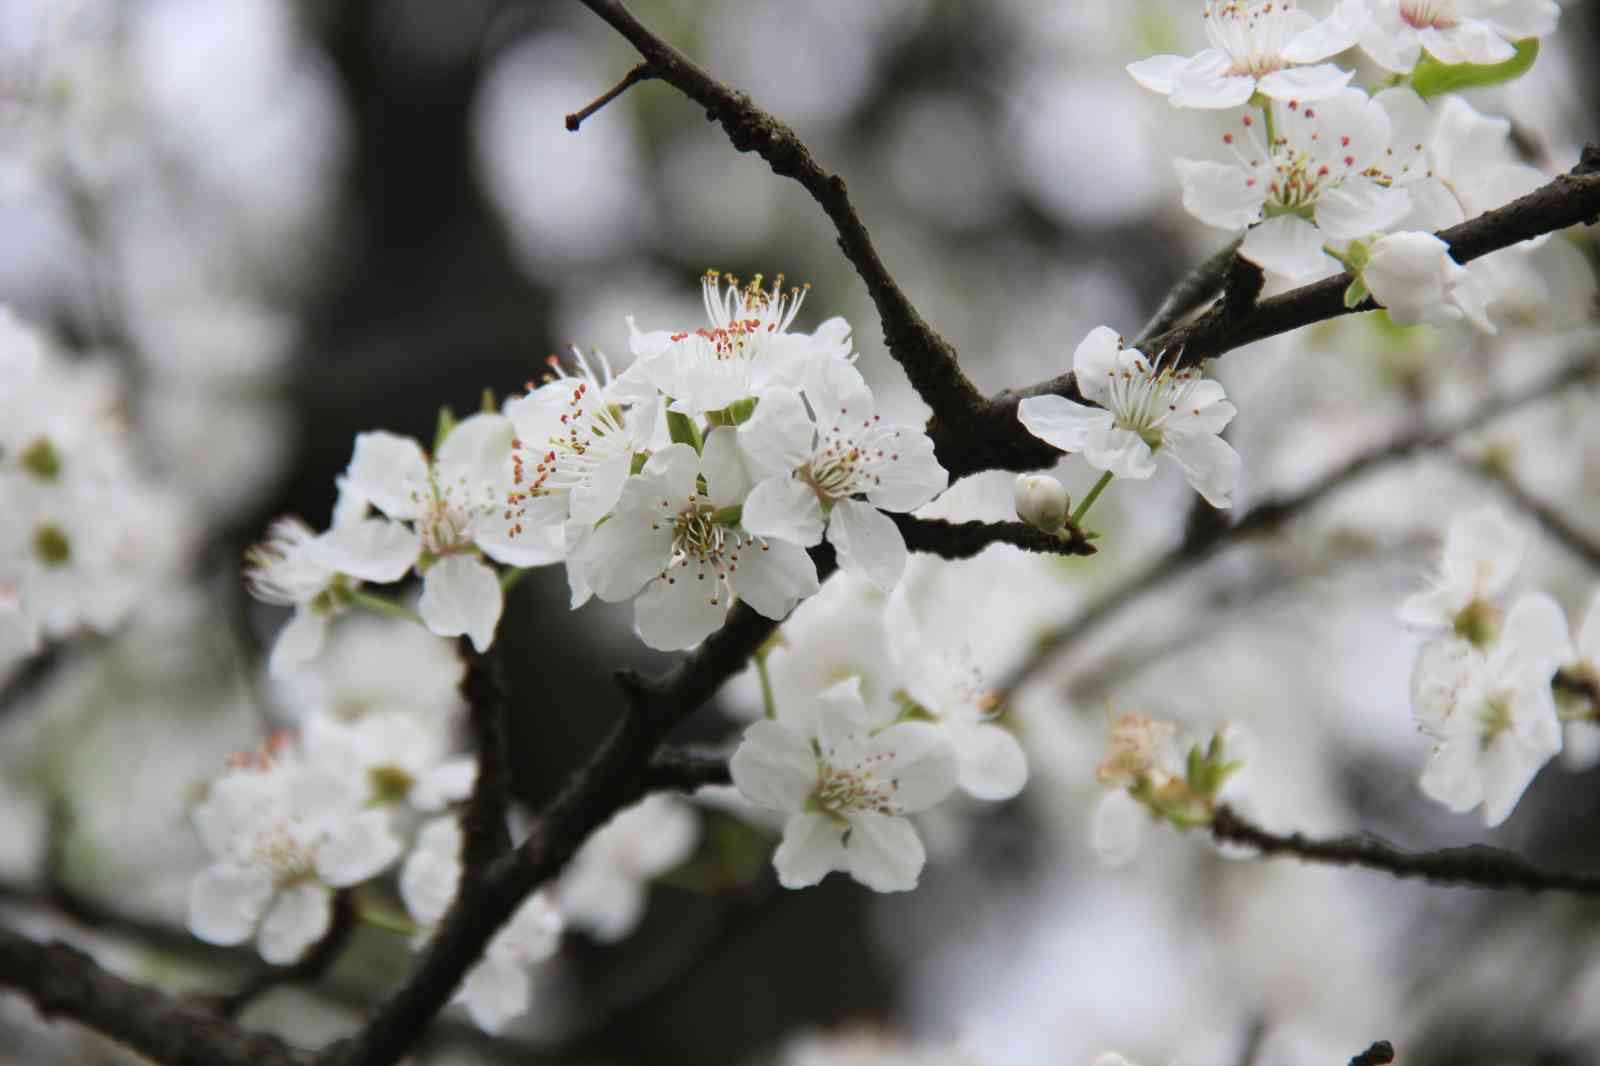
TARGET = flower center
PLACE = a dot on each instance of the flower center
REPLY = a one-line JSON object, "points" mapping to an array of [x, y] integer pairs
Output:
{"points": [[281, 852], [1145, 396], [1251, 34], [51, 545], [41, 460], [1429, 14], [843, 790], [706, 541], [1478, 622], [1496, 718]]}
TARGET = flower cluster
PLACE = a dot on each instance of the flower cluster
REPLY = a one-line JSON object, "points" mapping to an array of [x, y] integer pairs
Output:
{"points": [[1482, 686], [1322, 176], [846, 762], [698, 477], [84, 534]]}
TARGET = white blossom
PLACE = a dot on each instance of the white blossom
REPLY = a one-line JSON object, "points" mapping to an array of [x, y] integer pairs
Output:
{"points": [[456, 504], [1412, 275], [1491, 715], [747, 349], [1041, 501], [1144, 410], [1581, 747], [679, 548], [604, 888], [399, 755], [283, 834], [1255, 45], [375, 664], [1395, 33], [1482, 552], [812, 473], [498, 988], [847, 792], [1322, 177]]}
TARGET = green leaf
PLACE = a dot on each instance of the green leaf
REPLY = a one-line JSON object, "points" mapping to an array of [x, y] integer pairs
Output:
{"points": [[1433, 78], [1355, 293]]}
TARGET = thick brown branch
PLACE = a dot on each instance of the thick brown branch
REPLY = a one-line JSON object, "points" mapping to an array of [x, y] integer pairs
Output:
{"points": [[997, 440], [963, 540], [684, 769], [485, 836], [1206, 540], [927, 358], [61, 980], [1473, 867]]}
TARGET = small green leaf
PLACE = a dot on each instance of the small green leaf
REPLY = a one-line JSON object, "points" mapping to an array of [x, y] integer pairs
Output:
{"points": [[441, 430], [1433, 78], [683, 430], [1356, 293]]}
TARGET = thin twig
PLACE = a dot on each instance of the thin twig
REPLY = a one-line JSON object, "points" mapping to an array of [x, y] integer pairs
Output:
{"points": [[962, 540], [1477, 866], [1553, 521], [1192, 291], [642, 72]]}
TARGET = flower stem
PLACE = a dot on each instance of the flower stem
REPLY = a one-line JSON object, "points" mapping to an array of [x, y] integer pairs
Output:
{"points": [[383, 606], [381, 917], [509, 579], [1271, 130], [769, 706], [1088, 501]]}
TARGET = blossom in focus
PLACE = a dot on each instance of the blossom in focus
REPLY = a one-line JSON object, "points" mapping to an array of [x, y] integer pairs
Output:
{"points": [[1412, 275], [1491, 715], [1255, 46], [603, 890], [847, 792], [675, 542], [283, 834], [1322, 177], [747, 349], [1482, 552], [1041, 501], [811, 473], [455, 503], [1143, 410], [498, 988]]}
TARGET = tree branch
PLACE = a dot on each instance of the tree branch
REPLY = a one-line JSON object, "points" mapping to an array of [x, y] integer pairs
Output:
{"points": [[1477, 866], [685, 769], [995, 439], [485, 834], [642, 72], [927, 358], [1206, 540], [61, 980], [963, 540], [318, 960], [1191, 292], [1552, 520]]}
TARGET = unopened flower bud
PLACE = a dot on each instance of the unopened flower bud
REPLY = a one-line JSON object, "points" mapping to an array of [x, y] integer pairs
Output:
{"points": [[1042, 502]]}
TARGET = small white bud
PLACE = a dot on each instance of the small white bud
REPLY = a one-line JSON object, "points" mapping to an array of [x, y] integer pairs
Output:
{"points": [[1042, 502]]}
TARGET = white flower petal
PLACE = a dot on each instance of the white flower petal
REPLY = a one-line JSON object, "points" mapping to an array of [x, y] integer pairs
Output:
{"points": [[727, 483], [449, 782], [774, 766], [1360, 207], [390, 471], [359, 848], [682, 609], [884, 852], [774, 576], [990, 763], [1118, 825], [476, 451], [919, 758], [778, 437], [298, 642], [1287, 245], [1219, 194], [1158, 72], [298, 918], [373, 549], [1121, 451], [1060, 422], [226, 903], [1305, 83], [1208, 461], [494, 992], [785, 508], [461, 596], [812, 846], [868, 542]]}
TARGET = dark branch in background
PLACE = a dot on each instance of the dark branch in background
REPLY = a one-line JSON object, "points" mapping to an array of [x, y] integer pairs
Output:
{"points": [[927, 358], [1205, 541], [642, 72], [1193, 291], [994, 437], [61, 980], [1553, 521], [685, 769], [484, 831], [1582, 684], [1379, 1054], [1471, 867], [963, 540]]}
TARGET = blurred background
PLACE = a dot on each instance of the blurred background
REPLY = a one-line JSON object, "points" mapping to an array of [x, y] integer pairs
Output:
{"points": [[280, 224]]}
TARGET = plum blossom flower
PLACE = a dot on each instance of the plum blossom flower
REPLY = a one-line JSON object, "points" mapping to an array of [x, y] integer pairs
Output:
{"points": [[1581, 748], [574, 447], [603, 889], [1491, 715], [283, 833], [1144, 410], [1041, 501], [1412, 275], [498, 988], [747, 349], [846, 791], [1254, 48], [1320, 177], [456, 505], [812, 473], [299, 568], [1395, 33], [402, 756], [682, 545], [1482, 551]]}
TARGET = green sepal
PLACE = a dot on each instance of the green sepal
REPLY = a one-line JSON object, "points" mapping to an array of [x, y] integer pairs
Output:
{"points": [[442, 428], [728, 516], [488, 405], [1356, 294], [636, 464], [684, 430], [1432, 78]]}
